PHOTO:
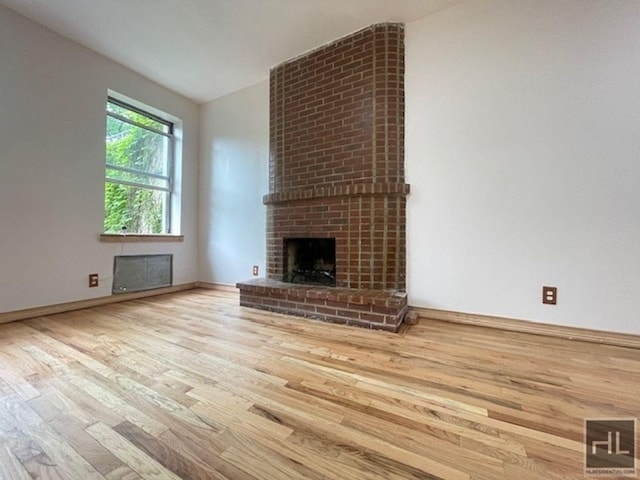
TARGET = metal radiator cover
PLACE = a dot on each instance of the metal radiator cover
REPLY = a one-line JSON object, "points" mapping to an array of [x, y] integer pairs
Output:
{"points": [[135, 273]]}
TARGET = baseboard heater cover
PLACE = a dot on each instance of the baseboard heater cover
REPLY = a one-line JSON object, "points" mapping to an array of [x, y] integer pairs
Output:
{"points": [[136, 273]]}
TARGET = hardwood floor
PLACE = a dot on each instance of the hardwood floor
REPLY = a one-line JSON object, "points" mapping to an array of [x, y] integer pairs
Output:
{"points": [[192, 386]]}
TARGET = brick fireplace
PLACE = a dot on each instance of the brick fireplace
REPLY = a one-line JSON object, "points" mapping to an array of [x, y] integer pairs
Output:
{"points": [[336, 173]]}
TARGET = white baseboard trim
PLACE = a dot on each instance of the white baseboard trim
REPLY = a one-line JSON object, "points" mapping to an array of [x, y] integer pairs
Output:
{"points": [[92, 302], [524, 326], [500, 323]]}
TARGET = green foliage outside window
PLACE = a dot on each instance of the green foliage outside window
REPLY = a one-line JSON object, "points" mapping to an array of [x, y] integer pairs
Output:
{"points": [[137, 159]]}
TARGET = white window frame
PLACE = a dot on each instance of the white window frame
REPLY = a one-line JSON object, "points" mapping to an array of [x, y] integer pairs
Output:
{"points": [[169, 177]]}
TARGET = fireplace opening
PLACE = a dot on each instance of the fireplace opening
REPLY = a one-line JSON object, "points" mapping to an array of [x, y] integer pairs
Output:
{"points": [[310, 260]]}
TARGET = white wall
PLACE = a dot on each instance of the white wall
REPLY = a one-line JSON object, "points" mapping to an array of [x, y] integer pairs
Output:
{"points": [[52, 126], [523, 142], [521, 150], [233, 179]]}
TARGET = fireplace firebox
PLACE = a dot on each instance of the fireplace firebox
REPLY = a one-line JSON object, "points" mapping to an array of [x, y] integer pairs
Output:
{"points": [[310, 260]]}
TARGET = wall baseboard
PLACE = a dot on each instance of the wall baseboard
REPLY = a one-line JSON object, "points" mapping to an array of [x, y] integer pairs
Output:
{"points": [[92, 302], [500, 323], [525, 326], [221, 287]]}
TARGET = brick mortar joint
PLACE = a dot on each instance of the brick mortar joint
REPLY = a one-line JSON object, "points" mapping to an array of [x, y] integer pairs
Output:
{"points": [[351, 190], [390, 299]]}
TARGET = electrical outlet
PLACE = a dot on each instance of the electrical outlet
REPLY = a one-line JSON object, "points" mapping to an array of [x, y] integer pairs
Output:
{"points": [[549, 295], [94, 280], [255, 270]]}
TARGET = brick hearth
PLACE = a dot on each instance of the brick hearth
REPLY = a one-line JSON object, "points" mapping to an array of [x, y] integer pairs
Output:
{"points": [[336, 170], [380, 309]]}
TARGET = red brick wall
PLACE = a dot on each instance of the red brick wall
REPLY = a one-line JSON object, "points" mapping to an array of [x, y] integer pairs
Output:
{"points": [[336, 165]]}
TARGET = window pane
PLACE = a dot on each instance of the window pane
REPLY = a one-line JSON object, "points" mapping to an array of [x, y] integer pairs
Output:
{"points": [[138, 209], [138, 156], [138, 117], [134, 147], [139, 178]]}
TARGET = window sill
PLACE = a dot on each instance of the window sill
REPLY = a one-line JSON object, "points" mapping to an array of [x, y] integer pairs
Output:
{"points": [[136, 237]]}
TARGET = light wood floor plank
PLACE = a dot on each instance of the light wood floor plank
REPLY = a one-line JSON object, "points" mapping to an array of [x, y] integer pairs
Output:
{"points": [[10, 467], [135, 459], [192, 386]]}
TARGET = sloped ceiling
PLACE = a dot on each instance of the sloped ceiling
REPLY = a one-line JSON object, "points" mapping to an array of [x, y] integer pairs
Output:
{"points": [[205, 49]]}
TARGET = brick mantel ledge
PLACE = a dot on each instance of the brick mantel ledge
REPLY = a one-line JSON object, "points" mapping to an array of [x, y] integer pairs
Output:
{"points": [[354, 189]]}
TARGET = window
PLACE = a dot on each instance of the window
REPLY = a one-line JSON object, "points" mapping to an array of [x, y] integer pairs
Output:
{"points": [[139, 170]]}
